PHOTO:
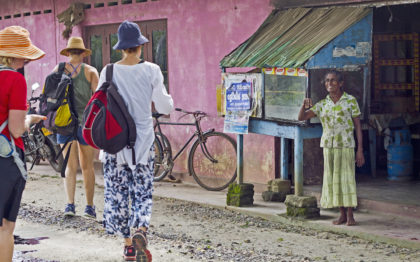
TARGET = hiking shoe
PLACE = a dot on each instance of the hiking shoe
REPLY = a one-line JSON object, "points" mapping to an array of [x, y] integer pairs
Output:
{"points": [[139, 240], [70, 210], [129, 253], [90, 211]]}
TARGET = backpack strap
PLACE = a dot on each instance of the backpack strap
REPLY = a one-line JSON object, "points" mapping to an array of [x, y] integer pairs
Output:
{"points": [[18, 161], [113, 91], [109, 72], [61, 67]]}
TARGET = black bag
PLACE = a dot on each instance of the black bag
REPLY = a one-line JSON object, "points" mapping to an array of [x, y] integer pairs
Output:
{"points": [[107, 124], [56, 103]]}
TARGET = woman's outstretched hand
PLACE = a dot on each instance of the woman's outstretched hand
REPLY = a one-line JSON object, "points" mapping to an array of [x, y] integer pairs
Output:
{"points": [[33, 119]]}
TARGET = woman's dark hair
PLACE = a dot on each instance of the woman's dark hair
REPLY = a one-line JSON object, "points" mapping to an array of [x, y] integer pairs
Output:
{"points": [[75, 51], [338, 74], [132, 49]]}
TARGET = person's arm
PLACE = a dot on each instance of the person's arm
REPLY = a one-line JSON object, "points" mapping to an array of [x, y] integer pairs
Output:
{"points": [[305, 114], [162, 101], [360, 158], [92, 77], [19, 122]]}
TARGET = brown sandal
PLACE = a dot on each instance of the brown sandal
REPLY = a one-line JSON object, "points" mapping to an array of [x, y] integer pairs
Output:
{"points": [[139, 240]]}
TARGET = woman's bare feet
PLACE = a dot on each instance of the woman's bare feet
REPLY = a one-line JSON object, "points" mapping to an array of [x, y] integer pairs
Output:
{"points": [[343, 217], [341, 220], [350, 217]]}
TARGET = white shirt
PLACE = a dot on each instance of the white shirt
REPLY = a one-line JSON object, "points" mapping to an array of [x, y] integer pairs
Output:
{"points": [[139, 85]]}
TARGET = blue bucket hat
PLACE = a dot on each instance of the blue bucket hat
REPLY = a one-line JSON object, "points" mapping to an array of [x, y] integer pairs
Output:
{"points": [[129, 35]]}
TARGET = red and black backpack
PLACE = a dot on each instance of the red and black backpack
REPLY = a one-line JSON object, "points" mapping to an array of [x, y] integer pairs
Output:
{"points": [[107, 124]]}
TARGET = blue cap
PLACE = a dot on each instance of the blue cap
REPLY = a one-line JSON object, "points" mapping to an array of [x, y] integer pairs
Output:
{"points": [[129, 35]]}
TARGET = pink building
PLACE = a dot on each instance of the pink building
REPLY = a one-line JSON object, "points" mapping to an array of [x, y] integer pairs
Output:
{"points": [[188, 40]]}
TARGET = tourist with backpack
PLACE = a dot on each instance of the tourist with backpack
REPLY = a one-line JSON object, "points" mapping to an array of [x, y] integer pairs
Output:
{"points": [[16, 50], [139, 83], [84, 80]]}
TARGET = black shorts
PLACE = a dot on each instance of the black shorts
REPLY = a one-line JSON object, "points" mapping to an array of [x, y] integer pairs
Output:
{"points": [[11, 188]]}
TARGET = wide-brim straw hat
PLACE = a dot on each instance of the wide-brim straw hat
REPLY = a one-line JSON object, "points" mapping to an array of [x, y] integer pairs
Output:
{"points": [[129, 35], [75, 43], [15, 42]]}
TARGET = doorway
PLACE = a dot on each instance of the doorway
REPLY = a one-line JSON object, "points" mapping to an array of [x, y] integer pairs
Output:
{"points": [[100, 39]]}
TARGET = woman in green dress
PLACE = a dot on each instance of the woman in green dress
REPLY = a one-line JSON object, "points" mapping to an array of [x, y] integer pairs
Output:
{"points": [[339, 115]]}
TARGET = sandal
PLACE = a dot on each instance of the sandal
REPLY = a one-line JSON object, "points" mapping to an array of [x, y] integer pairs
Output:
{"points": [[139, 240]]}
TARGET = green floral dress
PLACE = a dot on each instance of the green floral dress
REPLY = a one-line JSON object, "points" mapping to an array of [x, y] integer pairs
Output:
{"points": [[339, 184]]}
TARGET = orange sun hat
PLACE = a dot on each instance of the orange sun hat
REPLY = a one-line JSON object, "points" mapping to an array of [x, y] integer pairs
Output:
{"points": [[15, 42]]}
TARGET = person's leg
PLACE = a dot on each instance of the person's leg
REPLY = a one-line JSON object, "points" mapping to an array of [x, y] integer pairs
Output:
{"points": [[116, 199], [6, 240], [343, 217], [71, 171], [350, 217], [86, 157], [141, 189]]}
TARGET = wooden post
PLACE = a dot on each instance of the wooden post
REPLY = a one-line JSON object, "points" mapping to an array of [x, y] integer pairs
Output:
{"points": [[284, 154]]}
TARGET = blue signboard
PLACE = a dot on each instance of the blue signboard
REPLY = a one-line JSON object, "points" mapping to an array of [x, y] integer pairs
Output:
{"points": [[237, 97]]}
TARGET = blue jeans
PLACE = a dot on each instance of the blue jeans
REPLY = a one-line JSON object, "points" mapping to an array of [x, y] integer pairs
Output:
{"points": [[63, 139]]}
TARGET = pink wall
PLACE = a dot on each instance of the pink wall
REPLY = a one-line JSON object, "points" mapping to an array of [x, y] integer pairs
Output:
{"points": [[200, 34]]}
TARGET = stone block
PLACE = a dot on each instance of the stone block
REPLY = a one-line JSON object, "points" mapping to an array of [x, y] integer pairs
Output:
{"points": [[240, 195], [281, 183], [303, 212], [300, 201], [239, 201], [238, 188], [273, 196]]}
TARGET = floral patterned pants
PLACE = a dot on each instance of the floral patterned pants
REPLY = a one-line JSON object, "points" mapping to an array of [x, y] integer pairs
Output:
{"points": [[123, 187]]}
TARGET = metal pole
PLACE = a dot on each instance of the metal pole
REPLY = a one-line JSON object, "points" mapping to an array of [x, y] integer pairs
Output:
{"points": [[240, 158], [298, 161]]}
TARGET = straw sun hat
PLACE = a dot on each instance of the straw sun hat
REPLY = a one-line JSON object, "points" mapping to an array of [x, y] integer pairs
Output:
{"points": [[75, 43], [15, 42]]}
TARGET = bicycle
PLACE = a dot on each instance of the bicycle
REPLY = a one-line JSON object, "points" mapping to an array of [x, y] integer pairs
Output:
{"points": [[213, 167]]}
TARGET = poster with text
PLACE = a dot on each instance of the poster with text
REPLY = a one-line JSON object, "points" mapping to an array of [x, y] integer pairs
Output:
{"points": [[236, 122], [238, 97]]}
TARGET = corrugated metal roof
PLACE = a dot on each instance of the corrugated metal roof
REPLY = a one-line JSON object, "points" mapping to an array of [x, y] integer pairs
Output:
{"points": [[290, 37]]}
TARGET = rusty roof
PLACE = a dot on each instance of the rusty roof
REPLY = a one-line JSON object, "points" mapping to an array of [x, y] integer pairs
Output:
{"points": [[288, 38]]}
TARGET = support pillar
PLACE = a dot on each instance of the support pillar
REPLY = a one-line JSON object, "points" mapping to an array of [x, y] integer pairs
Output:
{"points": [[240, 194], [284, 153], [240, 159], [298, 142]]}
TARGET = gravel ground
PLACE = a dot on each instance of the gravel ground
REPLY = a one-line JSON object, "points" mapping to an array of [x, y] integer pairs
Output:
{"points": [[184, 231]]}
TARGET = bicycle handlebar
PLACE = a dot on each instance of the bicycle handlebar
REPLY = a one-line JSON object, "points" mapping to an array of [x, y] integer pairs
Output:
{"points": [[195, 113], [35, 98]]}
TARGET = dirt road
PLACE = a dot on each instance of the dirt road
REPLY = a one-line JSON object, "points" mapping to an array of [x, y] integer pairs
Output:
{"points": [[180, 231]]}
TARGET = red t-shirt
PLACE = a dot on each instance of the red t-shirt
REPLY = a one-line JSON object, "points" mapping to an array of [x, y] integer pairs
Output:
{"points": [[12, 96]]}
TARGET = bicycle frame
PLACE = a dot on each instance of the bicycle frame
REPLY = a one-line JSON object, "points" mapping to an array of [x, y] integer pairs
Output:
{"points": [[199, 133]]}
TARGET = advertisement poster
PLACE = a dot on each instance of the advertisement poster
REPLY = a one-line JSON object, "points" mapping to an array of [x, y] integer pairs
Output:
{"points": [[236, 122], [238, 97], [255, 95]]}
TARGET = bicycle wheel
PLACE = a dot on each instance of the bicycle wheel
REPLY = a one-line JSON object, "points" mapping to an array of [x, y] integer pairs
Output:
{"points": [[213, 175], [162, 157]]}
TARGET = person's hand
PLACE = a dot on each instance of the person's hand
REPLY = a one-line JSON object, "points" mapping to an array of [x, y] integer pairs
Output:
{"points": [[307, 103], [33, 119], [360, 158]]}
